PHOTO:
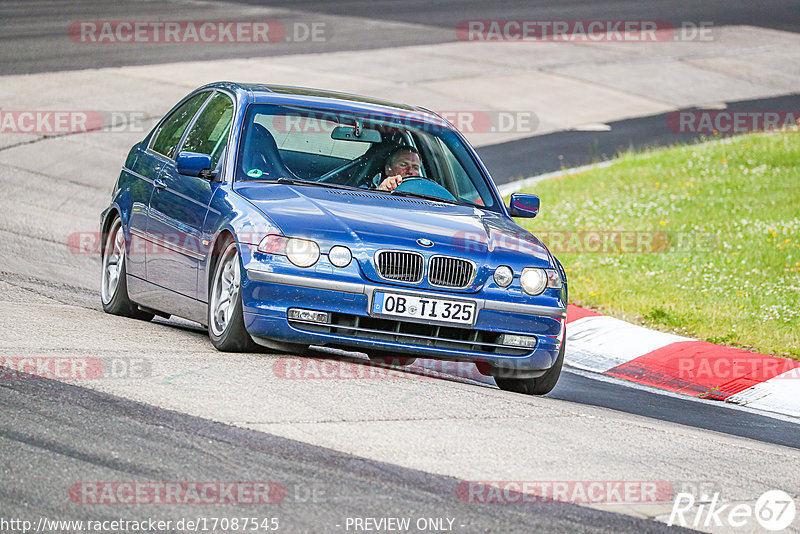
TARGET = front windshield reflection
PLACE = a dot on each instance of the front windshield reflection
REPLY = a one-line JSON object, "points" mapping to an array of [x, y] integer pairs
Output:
{"points": [[404, 154]]}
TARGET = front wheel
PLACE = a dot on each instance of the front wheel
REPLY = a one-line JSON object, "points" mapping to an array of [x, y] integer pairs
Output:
{"points": [[114, 283], [225, 318], [535, 386]]}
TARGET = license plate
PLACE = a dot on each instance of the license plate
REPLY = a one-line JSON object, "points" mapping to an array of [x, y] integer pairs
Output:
{"points": [[426, 308]]}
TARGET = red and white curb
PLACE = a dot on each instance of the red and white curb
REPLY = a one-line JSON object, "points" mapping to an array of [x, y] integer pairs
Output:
{"points": [[615, 348]]}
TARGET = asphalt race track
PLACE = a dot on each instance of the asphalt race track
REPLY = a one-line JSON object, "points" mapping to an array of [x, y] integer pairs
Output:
{"points": [[399, 445], [30, 41], [551, 152], [323, 486]]}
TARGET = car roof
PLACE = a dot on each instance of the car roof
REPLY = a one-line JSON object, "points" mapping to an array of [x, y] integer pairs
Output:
{"points": [[267, 93], [323, 93]]}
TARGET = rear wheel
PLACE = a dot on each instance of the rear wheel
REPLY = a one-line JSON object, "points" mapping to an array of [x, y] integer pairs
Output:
{"points": [[535, 386], [225, 318], [114, 283]]}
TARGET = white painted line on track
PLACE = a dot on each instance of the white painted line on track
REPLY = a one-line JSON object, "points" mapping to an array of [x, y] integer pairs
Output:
{"points": [[620, 382]]}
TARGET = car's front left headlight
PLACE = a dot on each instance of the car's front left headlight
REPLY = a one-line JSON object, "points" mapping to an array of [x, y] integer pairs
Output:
{"points": [[301, 252], [534, 280]]}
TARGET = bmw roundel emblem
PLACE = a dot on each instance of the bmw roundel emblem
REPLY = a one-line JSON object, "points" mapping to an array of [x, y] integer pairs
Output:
{"points": [[425, 242]]}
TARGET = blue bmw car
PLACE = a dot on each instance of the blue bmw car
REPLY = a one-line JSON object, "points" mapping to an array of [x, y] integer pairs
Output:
{"points": [[285, 217]]}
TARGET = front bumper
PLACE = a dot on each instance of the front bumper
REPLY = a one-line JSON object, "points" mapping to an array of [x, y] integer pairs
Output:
{"points": [[267, 296]]}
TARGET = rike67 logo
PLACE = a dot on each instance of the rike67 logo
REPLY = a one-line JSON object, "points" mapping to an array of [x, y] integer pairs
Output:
{"points": [[775, 510]]}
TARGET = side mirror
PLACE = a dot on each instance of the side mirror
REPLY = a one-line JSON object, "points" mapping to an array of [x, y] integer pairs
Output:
{"points": [[194, 164], [523, 205]]}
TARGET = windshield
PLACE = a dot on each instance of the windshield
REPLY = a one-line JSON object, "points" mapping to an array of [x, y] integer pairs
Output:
{"points": [[343, 149]]}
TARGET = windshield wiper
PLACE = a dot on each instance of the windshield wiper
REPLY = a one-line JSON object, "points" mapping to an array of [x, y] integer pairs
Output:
{"points": [[428, 197], [293, 181]]}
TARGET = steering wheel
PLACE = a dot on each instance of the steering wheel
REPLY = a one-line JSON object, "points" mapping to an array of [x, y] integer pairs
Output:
{"points": [[423, 186]]}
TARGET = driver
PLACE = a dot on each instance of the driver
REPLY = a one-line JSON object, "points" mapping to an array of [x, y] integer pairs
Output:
{"points": [[401, 162]]}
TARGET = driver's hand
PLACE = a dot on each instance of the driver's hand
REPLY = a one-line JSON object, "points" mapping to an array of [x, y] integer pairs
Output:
{"points": [[391, 183]]}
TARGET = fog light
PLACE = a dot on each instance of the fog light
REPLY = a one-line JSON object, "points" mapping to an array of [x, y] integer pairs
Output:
{"points": [[310, 316], [513, 340]]}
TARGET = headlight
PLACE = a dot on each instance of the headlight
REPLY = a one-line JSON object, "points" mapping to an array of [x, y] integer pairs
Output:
{"points": [[503, 276], [553, 279], [302, 252], [534, 281], [273, 244], [340, 256]]}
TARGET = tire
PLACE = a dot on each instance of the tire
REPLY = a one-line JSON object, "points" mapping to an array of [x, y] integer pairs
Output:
{"points": [[114, 282], [225, 318], [389, 359], [535, 386]]}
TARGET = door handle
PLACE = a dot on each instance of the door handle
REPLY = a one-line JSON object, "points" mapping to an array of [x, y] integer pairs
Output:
{"points": [[160, 183]]}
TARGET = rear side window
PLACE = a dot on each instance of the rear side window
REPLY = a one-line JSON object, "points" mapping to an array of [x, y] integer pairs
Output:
{"points": [[171, 130], [209, 134]]}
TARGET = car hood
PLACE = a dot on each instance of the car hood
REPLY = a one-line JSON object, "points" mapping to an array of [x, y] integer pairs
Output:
{"points": [[368, 221]]}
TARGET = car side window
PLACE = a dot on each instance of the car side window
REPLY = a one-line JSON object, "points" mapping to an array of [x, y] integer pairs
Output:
{"points": [[171, 130], [210, 131], [465, 188]]}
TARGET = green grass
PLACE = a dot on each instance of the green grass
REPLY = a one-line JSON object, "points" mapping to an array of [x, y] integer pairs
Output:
{"points": [[730, 210]]}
